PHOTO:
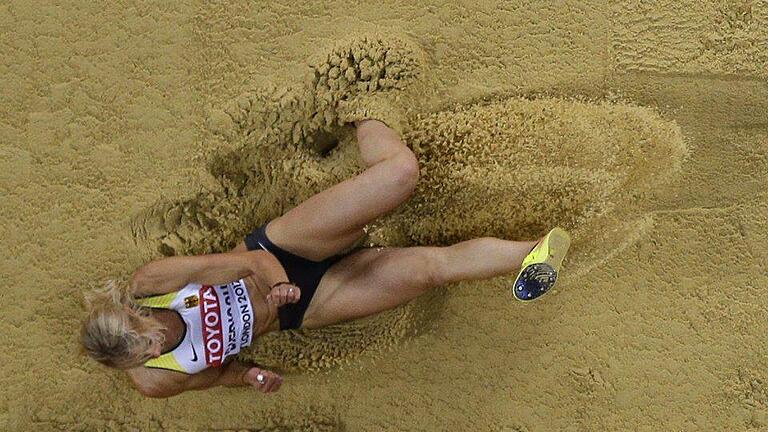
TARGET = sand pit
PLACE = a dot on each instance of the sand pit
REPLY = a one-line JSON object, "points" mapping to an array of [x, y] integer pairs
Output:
{"points": [[133, 132]]}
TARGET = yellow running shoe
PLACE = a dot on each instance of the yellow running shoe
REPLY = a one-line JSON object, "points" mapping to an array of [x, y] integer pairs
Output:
{"points": [[540, 268]]}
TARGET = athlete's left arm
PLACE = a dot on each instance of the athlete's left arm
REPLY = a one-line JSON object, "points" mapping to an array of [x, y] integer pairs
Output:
{"points": [[173, 273]]}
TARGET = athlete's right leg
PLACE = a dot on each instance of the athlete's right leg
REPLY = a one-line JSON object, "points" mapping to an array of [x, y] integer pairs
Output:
{"points": [[483, 258], [373, 280]]}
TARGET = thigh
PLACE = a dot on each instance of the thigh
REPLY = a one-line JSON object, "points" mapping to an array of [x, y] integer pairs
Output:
{"points": [[333, 220], [372, 280]]}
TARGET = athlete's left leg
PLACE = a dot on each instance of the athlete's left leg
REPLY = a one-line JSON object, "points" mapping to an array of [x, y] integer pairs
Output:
{"points": [[373, 280], [332, 220]]}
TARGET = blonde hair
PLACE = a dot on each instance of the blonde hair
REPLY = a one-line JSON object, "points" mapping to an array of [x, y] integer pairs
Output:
{"points": [[118, 332]]}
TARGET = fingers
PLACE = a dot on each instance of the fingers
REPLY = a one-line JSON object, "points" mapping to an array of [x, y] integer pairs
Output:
{"points": [[270, 382], [293, 295], [274, 384], [283, 294]]}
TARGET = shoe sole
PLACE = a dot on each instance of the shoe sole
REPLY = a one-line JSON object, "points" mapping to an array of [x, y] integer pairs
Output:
{"points": [[541, 275]]}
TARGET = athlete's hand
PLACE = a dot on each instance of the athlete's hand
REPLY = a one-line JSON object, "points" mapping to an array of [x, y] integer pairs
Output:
{"points": [[284, 294], [270, 381]]}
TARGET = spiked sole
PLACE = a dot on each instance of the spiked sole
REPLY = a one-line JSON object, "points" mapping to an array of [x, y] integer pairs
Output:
{"points": [[541, 266]]}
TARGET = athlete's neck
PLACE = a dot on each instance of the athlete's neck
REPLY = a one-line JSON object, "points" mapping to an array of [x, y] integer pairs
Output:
{"points": [[174, 327]]}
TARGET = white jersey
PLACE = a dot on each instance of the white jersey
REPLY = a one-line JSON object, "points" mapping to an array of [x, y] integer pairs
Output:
{"points": [[218, 321]]}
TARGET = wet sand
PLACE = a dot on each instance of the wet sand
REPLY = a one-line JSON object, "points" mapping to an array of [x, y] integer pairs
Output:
{"points": [[134, 132]]}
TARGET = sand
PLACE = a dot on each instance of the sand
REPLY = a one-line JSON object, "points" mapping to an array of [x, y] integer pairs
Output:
{"points": [[130, 132]]}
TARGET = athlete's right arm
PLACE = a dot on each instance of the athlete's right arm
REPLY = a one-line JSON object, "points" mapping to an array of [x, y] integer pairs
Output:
{"points": [[170, 274], [159, 383]]}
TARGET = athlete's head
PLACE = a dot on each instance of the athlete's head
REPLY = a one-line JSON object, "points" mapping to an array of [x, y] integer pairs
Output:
{"points": [[117, 332]]}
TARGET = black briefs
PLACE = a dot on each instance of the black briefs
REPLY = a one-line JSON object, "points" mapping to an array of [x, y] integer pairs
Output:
{"points": [[302, 272]]}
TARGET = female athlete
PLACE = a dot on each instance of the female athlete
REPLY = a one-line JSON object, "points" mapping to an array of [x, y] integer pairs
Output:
{"points": [[177, 324]]}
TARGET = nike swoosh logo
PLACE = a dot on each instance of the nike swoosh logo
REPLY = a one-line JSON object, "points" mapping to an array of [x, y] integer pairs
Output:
{"points": [[194, 352]]}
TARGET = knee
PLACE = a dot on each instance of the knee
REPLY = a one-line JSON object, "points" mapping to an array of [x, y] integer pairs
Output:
{"points": [[406, 170]]}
